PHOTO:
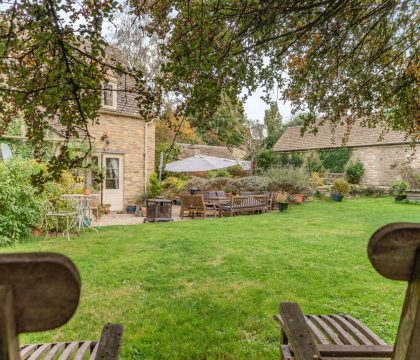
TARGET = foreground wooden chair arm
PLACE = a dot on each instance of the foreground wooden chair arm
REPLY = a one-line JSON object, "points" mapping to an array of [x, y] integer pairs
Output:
{"points": [[38, 292], [394, 251]]}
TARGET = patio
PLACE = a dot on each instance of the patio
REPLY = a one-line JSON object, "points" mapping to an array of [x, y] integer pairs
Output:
{"points": [[115, 218]]}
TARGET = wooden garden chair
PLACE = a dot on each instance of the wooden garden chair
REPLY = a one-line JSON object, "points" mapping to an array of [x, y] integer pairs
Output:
{"points": [[394, 251], [195, 205], [38, 292]]}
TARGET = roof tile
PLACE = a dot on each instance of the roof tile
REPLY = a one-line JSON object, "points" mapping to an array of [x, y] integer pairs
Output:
{"points": [[326, 138]]}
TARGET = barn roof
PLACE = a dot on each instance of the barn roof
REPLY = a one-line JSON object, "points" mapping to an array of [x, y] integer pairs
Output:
{"points": [[359, 136]]}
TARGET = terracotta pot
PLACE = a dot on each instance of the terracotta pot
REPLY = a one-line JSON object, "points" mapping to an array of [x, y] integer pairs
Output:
{"points": [[87, 191], [298, 198], [36, 232]]}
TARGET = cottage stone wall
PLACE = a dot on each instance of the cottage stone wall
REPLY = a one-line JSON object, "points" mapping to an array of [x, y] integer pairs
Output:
{"points": [[188, 150], [383, 164], [124, 134]]}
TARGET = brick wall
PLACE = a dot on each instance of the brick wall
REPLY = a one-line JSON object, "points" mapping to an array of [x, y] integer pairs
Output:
{"points": [[126, 136]]}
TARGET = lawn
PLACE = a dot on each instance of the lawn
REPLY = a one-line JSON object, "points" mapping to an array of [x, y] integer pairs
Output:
{"points": [[209, 289]]}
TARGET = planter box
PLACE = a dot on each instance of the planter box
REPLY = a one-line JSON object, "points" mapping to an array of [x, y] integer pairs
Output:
{"points": [[282, 206], [413, 195], [131, 209]]}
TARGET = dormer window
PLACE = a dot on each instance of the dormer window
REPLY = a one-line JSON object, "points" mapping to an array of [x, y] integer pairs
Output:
{"points": [[109, 95]]}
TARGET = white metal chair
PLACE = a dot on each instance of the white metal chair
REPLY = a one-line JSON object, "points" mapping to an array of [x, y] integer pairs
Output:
{"points": [[70, 217]]}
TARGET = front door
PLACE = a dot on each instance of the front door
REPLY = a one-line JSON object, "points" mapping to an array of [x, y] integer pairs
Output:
{"points": [[112, 189]]}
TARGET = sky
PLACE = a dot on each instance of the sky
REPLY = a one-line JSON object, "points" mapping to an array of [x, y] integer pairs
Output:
{"points": [[255, 107]]}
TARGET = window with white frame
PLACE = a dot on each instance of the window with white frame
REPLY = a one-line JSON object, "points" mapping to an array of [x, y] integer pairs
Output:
{"points": [[109, 95]]}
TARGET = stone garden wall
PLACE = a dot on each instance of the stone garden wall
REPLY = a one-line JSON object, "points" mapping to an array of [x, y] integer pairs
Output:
{"points": [[383, 164], [188, 150]]}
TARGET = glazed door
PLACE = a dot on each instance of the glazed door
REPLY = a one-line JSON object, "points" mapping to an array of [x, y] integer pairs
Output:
{"points": [[112, 189]]}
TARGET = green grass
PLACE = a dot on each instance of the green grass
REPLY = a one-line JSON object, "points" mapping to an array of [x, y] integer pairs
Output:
{"points": [[208, 289]]}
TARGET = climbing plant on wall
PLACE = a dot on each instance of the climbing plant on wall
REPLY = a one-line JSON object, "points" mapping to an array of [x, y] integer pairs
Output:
{"points": [[335, 160], [294, 159]]}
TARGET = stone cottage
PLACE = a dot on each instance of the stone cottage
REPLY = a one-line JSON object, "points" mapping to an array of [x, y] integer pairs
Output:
{"points": [[382, 156], [124, 146]]}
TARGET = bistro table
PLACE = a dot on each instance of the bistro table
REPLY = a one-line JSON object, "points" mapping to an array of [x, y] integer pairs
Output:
{"points": [[83, 208]]}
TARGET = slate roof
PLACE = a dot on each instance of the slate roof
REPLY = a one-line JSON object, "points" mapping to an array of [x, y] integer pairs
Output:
{"points": [[291, 140], [126, 100]]}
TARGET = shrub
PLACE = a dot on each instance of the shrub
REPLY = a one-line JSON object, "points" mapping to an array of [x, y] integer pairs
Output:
{"points": [[373, 191], [400, 187], [335, 160], [354, 172], [411, 176], [219, 173], [197, 183], [294, 159], [370, 191], [282, 198], [221, 183], [20, 209], [173, 186], [236, 171], [266, 158], [341, 187], [313, 165], [288, 179], [153, 187], [316, 179], [253, 183]]}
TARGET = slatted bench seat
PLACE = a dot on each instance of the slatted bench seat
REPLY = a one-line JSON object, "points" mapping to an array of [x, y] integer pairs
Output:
{"points": [[61, 350], [107, 347], [353, 337], [243, 204]]}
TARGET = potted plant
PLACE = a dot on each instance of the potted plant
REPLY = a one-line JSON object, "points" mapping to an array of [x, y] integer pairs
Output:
{"points": [[229, 192], [399, 189], [339, 189], [298, 198], [141, 199], [131, 208], [282, 200], [104, 209]]}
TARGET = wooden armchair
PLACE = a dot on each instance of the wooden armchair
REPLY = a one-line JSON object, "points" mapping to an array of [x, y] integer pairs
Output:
{"points": [[38, 292], [394, 251], [195, 205]]}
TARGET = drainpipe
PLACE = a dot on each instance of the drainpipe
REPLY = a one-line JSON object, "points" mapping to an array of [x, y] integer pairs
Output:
{"points": [[146, 123]]}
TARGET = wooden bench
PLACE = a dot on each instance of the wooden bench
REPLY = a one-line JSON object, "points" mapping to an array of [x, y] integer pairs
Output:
{"points": [[244, 204], [394, 251], [413, 195], [38, 292]]}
